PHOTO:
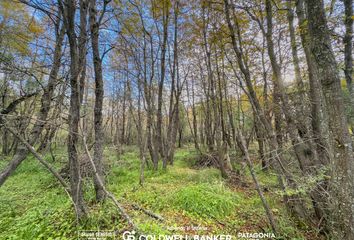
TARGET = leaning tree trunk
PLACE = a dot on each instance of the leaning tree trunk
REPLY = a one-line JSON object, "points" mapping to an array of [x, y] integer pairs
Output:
{"points": [[22, 151], [242, 145], [294, 206], [298, 145]]}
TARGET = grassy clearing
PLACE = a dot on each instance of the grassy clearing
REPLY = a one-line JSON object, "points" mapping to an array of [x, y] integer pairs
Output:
{"points": [[33, 205]]}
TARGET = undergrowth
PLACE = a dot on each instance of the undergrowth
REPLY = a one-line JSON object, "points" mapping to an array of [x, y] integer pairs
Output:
{"points": [[34, 206]]}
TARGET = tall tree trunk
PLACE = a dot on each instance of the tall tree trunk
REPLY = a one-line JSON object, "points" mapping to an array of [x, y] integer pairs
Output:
{"points": [[210, 108], [99, 92], [302, 123], [318, 114], [319, 121], [348, 46], [348, 57], [165, 20], [173, 124], [195, 122], [5, 135], [122, 136], [341, 212], [139, 127], [294, 51], [76, 57]]}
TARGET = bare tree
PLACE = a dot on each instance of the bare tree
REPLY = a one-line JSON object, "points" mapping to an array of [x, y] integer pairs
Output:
{"points": [[46, 99]]}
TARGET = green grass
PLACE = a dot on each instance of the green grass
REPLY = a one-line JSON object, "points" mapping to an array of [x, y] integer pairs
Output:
{"points": [[34, 206], [206, 200]]}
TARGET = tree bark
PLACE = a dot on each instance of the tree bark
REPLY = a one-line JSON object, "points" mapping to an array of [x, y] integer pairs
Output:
{"points": [[348, 46], [173, 124], [99, 92], [76, 57], [158, 137], [342, 161]]}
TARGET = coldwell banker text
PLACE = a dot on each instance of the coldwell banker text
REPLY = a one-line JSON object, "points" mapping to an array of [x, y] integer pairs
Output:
{"points": [[131, 236]]}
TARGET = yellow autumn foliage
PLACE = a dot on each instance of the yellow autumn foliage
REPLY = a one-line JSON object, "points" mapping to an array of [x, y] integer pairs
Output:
{"points": [[160, 7], [17, 27]]}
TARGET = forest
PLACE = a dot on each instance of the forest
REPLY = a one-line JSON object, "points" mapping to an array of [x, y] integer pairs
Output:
{"points": [[176, 119]]}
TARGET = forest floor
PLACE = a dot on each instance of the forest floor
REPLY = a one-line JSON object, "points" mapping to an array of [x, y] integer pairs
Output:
{"points": [[192, 201]]}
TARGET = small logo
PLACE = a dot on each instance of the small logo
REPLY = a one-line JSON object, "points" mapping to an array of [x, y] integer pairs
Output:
{"points": [[127, 235], [255, 236], [96, 235]]}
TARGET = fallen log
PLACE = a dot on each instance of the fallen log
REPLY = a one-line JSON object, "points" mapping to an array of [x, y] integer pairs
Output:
{"points": [[147, 212]]}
